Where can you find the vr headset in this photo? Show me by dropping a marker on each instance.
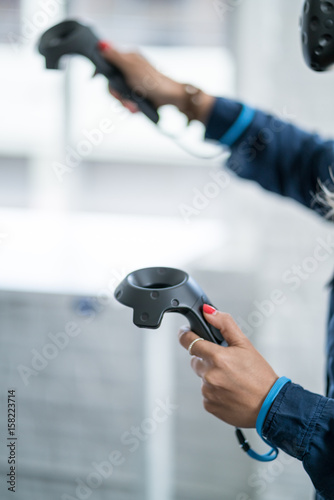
(317, 32)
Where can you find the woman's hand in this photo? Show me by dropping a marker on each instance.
(236, 379)
(147, 81)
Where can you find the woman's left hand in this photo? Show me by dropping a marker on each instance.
(236, 379)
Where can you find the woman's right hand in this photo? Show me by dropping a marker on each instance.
(142, 77)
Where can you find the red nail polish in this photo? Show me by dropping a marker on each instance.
(209, 309)
(102, 45)
(131, 107)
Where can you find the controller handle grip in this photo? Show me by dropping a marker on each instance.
(117, 82)
(198, 324)
(72, 37)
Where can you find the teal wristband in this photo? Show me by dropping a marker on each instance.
(274, 391)
(271, 454)
(243, 121)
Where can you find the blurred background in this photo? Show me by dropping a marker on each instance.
(105, 410)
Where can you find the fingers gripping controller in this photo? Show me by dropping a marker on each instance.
(155, 290)
(72, 37)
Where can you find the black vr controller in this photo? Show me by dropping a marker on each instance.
(155, 290)
(72, 37)
(317, 29)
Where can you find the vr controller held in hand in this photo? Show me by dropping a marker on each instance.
(72, 37)
(153, 291)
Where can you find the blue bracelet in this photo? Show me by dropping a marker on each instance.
(272, 454)
(276, 388)
(243, 121)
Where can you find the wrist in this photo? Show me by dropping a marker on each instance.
(193, 102)
(270, 398)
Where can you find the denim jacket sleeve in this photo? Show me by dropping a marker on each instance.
(276, 154)
(302, 424)
(288, 161)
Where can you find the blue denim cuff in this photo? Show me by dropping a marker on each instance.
(223, 115)
(240, 125)
(273, 393)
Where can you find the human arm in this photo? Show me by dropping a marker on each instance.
(143, 77)
(236, 380)
(271, 151)
(276, 154)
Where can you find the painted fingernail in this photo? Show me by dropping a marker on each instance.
(131, 107)
(209, 309)
(102, 45)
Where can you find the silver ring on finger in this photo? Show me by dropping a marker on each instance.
(192, 344)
